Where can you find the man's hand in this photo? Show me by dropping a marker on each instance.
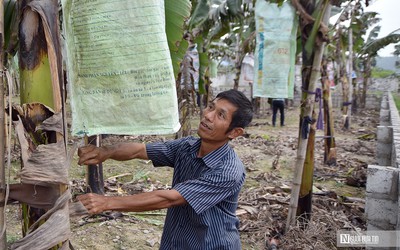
(94, 203)
(91, 155)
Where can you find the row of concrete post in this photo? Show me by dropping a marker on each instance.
(382, 191)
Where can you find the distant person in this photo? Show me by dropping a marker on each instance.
(208, 176)
(278, 104)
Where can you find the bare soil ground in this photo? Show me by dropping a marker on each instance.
(269, 154)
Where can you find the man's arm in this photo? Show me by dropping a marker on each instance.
(92, 155)
(155, 200)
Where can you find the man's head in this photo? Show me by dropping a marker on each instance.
(225, 117)
(244, 113)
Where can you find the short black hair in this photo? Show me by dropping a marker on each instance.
(244, 113)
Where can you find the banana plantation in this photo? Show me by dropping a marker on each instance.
(101, 72)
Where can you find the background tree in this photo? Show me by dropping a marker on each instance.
(3, 238)
(396, 53)
(360, 25)
(370, 50)
(210, 21)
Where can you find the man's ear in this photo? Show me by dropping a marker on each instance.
(235, 133)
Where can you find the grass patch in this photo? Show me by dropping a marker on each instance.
(341, 188)
(381, 73)
(396, 98)
(12, 239)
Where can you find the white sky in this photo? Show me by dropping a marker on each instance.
(389, 12)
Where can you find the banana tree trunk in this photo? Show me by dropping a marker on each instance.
(350, 80)
(204, 75)
(354, 98)
(312, 57)
(40, 76)
(367, 77)
(185, 89)
(346, 101)
(348, 86)
(342, 78)
(304, 208)
(329, 142)
(3, 238)
(238, 61)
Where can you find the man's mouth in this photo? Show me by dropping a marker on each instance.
(205, 125)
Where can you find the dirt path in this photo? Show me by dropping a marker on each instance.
(268, 153)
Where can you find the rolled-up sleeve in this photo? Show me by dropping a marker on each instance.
(163, 153)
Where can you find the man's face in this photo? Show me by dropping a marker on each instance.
(216, 120)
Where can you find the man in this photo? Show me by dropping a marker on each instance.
(278, 104)
(207, 179)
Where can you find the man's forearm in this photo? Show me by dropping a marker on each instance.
(91, 155)
(127, 151)
(146, 201)
(155, 200)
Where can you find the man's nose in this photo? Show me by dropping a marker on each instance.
(209, 115)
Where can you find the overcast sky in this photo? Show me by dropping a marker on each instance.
(389, 12)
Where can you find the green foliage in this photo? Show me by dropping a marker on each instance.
(204, 63)
(360, 26)
(141, 175)
(381, 73)
(12, 239)
(10, 25)
(176, 13)
(266, 137)
(396, 98)
(372, 47)
(211, 20)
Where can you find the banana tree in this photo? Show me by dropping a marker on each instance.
(185, 89)
(359, 25)
(7, 16)
(41, 101)
(210, 20)
(350, 40)
(239, 42)
(40, 72)
(345, 53)
(42, 106)
(176, 16)
(314, 33)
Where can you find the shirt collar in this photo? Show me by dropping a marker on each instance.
(211, 158)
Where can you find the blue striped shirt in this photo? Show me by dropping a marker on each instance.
(210, 185)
